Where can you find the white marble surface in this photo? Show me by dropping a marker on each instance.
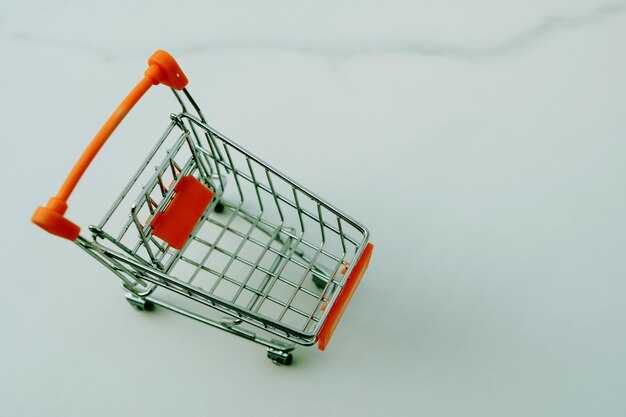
(482, 142)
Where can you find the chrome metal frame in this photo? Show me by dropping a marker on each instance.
(253, 255)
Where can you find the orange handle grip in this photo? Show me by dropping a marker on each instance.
(162, 69)
(334, 315)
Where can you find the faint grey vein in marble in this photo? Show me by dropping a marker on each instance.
(536, 33)
(549, 26)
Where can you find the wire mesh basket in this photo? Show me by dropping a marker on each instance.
(210, 226)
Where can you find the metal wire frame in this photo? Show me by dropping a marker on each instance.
(258, 213)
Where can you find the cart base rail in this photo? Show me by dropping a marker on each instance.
(278, 351)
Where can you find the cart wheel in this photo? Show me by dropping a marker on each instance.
(219, 207)
(139, 303)
(148, 306)
(319, 282)
(279, 357)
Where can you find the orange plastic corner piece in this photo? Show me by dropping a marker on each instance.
(50, 218)
(336, 311)
(175, 224)
(163, 69)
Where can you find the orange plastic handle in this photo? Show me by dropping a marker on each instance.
(334, 315)
(162, 69)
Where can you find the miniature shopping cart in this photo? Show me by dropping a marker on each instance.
(205, 228)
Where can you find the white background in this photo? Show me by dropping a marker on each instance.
(481, 142)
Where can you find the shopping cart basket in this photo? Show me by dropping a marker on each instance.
(204, 227)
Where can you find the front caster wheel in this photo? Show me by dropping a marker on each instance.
(139, 303)
(319, 281)
(279, 357)
(219, 207)
(147, 306)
